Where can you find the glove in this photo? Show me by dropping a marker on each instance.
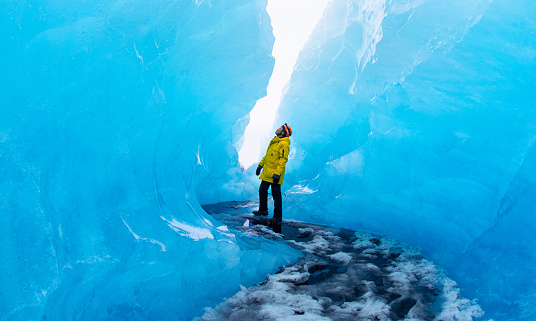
(258, 171)
(276, 178)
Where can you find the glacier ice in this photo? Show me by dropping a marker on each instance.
(413, 119)
(112, 114)
(416, 119)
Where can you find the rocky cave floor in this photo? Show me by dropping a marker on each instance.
(342, 275)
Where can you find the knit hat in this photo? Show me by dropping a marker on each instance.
(287, 129)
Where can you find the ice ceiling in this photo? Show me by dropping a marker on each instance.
(415, 119)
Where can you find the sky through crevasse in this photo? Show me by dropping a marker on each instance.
(293, 22)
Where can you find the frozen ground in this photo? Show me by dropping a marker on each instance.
(343, 275)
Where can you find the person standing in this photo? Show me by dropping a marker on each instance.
(272, 166)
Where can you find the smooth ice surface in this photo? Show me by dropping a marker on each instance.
(413, 119)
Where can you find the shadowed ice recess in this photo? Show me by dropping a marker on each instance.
(414, 120)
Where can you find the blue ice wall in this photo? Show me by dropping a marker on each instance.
(414, 119)
(112, 114)
(417, 119)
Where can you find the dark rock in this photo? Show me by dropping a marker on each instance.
(347, 235)
(394, 253)
(375, 241)
(394, 296)
(402, 307)
(303, 234)
(317, 267)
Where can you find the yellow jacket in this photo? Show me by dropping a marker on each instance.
(275, 159)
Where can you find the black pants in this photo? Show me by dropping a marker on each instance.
(276, 194)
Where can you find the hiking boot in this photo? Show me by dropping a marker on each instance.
(260, 213)
(275, 220)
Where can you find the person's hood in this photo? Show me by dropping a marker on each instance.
(278, 139)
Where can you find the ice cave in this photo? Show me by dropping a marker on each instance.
(121, 122)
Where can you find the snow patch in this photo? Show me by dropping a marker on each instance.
(317, 245)
(194, 232)
(341, 257)
(299, 189)
(456, 307)
(368, 307)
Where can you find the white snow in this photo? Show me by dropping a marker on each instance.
(292, 275)
(317, 245)
(341, 257)
(306, 230)
(456, 307)
(299, 189)
(369, 307)
(194, 232)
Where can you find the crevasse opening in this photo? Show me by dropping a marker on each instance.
(292, 22)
